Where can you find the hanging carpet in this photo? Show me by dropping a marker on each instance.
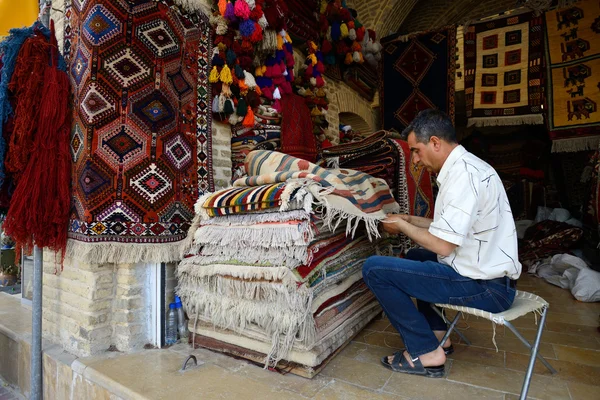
(573, 60)
(141, 132)
(418, 73)
(503, 71)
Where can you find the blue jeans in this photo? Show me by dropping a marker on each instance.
(395, 280)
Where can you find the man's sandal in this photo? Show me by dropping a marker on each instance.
(401, 364)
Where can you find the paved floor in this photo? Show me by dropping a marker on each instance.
(7, 393)
(571, 343)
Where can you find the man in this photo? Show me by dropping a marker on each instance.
(469, 249)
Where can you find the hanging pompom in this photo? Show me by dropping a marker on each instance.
(313, 81)
(253, 99)
(230, 57)
(357, 57)
(256, 13)
(335, 31)
(248, 121)
(214, 75)
(262, 21)
(234, 119)
(315, 112)
(312, 47)
(257, 35)
(242, 107)
(320, 67)
(352, 34)
(345, 15)
(239, 72)
(344, 30)
(225, 75)
(326, 46)
(249, 79)
(276, 106)
(350, 25)
(222, 100)
(309, 71)
(285, 73)
(241, 9)
(279, 42)
(245, 62)
(217, 61)
(257, 90)
(290, 76)
(320, 82)
(323, 23)
(376, 47)
(228, 107)
(251, 4)
(258, 71)
(243, 87)
(267, 92)
(348, 59)
(222, 7)
(312, 59)
(246, 26)
(323, 7)
(370, 58)
(226, 91)
(356, 46)
(277, 93)
(215, 104)
(221, 27)
(320, 92)
(360, 33)
(229, 12)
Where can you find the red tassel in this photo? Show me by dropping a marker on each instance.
(39, 210)
(248, 121)
(309, 71)
(326, 46)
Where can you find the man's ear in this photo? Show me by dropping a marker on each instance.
(436, 142)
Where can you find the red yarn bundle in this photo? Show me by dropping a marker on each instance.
(39, 210)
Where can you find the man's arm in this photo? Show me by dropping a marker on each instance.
(398, 224)
(421, 222)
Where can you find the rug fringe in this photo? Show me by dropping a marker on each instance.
(532, 119)
(573, 145)
(122, 253)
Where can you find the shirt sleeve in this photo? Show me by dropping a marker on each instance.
(459, 208)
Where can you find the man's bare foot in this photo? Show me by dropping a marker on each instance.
(431, 359)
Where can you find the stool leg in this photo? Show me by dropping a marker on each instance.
(459, 333)
(526, 343)
(450, 328)
(534, 351)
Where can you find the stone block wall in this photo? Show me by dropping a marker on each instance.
(221, 154)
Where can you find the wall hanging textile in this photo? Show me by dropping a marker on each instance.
(503, 71)
(141, 134)
(39, 208)
(573, 59)
(297, 138)
(418, 73)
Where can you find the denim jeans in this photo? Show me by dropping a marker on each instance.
(395, 280)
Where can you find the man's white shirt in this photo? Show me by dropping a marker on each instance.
(472, 212)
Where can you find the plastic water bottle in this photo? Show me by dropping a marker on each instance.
(171, 325)
(182, 326)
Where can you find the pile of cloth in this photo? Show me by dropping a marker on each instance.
(264, 135)
(273, 267)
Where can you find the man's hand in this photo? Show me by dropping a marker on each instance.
(394, 223)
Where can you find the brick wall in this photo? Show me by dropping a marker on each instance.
(431, 14)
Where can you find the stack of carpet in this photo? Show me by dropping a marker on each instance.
(264, 135)
(273, 267)
(389, 159)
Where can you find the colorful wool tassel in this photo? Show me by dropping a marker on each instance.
(230, 57)
(215, 104)
(242, 107)
(234, 119)
(225, 75)
(279, 42)
(239, 72)
(214, 75)
(229, 12)
(251, 4)
(352, 34)
(249, 79)
(221, 105)
(262, 21)
(260, 71)
(326, 46)
(246, 26)
(257, 34)
(313, 81)
(40, 206)
(228, 107)
(335, 31)
(277, 93)
(357, 57)
(241, 9)
(222, 7)
(343, 31)
(248, 120)
(348, 59)
(312, 59)
(226, 90)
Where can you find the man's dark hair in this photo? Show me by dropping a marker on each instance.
(432, 122)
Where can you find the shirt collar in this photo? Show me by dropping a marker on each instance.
(453, 157)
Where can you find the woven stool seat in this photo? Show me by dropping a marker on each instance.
(524, 303)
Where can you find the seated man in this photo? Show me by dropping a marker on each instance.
(469, 249)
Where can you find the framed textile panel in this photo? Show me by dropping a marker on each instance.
(503, 71)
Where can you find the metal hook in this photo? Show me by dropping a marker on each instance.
(190, 357)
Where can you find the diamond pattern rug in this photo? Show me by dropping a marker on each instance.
(141, 127)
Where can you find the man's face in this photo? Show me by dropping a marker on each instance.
(421, 153)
